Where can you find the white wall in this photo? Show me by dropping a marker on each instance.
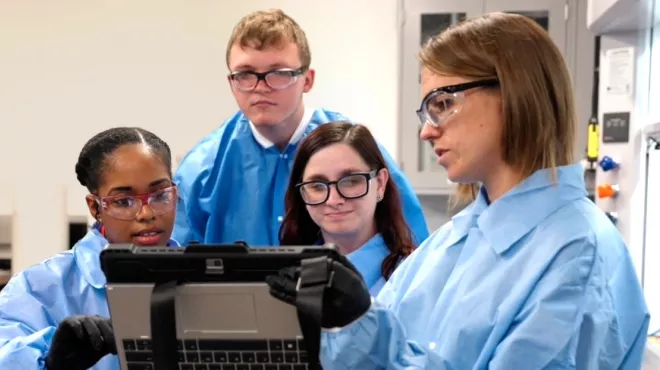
(71, 68)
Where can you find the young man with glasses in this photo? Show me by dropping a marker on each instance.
(232, 183)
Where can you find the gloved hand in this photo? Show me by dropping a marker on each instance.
(344, 301)
(80, 342)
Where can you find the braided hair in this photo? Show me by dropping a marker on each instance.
(96, 151)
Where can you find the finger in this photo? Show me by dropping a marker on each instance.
(73, 326)
(284, 297)
(274, 282)
(280, 289)
(93, 333)
(281, 284)
(291, 273)
(289, 286)
(108, 334)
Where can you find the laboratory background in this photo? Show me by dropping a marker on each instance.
(71, 68)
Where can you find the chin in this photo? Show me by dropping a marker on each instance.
(461, 178)
(265, 120)
(341, 228)
(455, 175)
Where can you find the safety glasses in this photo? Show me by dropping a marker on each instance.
(278, 79)
(351, 186)
(128, 207)
(444, 101)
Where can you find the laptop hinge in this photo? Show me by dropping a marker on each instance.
(163, 326)
(315, 276)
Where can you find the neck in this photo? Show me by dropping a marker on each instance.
(501, 180)
(281, 133)
(348, 243)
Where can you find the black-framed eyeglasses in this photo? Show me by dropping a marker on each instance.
(277, 79)
(128, 207)
(351, 186)
(444, 101)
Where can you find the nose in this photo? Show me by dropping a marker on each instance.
(429, 132)
(145, 213)
(334, 198)
(262, 87)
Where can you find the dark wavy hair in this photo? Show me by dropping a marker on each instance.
(299, 229)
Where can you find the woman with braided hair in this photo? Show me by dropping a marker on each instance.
(54, 315)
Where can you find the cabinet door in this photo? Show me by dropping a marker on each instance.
(650, 275)
(423, 19)
(550, 14)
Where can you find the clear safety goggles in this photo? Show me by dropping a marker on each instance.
(128, 207)
(442, 102)
(351, 186)
(277, 79)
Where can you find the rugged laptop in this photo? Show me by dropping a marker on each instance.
(203, 307)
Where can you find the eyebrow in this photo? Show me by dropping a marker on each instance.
(348, 171)
(126, 189)
(248, 67)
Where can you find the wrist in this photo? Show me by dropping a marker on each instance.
(354, 319)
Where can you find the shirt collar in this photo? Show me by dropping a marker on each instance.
(369, 258)
(297, 135)
(87, 254)
(512, 216)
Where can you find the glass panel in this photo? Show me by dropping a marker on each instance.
(431, 25)
(652, 240)
(542, 17)
(654, 93)
(652, 220)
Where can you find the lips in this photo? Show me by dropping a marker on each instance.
(262, 103)
(442, 159)
(148, 237)
(338, 214)
(440, 152)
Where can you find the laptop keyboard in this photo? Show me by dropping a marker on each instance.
(205, 354)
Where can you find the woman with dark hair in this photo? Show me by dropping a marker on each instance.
(341, 192)
(54, 315)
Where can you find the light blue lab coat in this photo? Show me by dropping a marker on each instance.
(232, 185)
(368, 259)
(540, 279)
(37, 299)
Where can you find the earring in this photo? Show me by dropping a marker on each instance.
(379, 198)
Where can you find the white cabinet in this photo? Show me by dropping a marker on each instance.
(550, 14)
(425, 18)
(612, 16)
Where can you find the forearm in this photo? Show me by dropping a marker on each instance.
(377, 340)
(24, 351)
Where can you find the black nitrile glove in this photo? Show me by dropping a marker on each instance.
(344, 301)
(80, 342)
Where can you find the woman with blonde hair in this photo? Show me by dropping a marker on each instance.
(531, 275)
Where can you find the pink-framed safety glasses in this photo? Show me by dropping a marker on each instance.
(128, 207)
